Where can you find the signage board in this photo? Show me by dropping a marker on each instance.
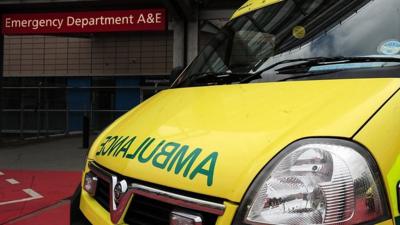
(84, 22)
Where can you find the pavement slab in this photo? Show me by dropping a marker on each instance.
(64, 154)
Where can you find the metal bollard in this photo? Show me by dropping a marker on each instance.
(85, 132)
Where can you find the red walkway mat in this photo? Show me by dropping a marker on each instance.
(26, 192)
(58, 214)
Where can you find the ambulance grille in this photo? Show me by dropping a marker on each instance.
(102, 194)
(146, 211)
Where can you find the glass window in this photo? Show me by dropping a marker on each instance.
(316, 31)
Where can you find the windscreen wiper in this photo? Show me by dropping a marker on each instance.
(305, 67)
(219, 77)
(258, 74)
(308, 63)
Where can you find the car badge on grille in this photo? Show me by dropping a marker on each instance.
(119, 190)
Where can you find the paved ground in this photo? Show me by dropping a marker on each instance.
(38, 181)
(61, 154)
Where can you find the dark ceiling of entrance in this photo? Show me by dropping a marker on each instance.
(179, 9)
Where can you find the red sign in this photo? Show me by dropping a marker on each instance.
(84, 22)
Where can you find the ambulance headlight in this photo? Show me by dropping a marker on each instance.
(318, 181)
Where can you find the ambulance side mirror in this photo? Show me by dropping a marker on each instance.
(175, 73)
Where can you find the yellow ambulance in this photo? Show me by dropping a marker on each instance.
(290, 115)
